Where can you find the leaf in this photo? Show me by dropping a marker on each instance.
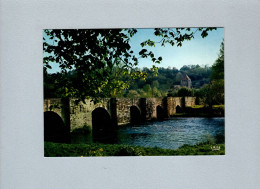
(48, 66)
(142, 51)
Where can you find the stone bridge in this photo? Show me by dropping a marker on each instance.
(117, 110)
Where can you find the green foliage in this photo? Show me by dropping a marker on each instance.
(155, 83)
(217, 88)
(147, 88)
(202, 111)
(178, 77)
(171, 93)
(218, 67)
(133, 94)
(160, 84)
(98, 58)
(177, 36)
(164, 84)
(184, 91)
(205, 94)
(94, 61)
(217, 78)
(213, 93)
(89, 150)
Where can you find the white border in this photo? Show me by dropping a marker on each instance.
(22, 164)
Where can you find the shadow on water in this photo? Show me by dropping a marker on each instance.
(81, 137)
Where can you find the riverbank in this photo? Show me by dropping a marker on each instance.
(202, 111)
(96, 149)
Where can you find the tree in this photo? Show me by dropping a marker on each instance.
(142, 93)
(217, 88)
(148, 89)
(218, 66)
(217, 77)
(133, 94)
(184, 91)
(205, 94)
(178, 77)
(99, 57)
(213, 93)
(155, 83)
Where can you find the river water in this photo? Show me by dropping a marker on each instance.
(172, 133)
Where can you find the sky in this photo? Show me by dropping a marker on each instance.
(201, 51)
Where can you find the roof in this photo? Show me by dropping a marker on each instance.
(186, 77)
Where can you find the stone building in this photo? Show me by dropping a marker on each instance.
(186, 81)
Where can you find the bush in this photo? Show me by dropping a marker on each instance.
(184, 91)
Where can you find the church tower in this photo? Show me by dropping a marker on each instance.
(186, 81)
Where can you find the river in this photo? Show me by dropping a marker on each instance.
(168, 134)
(172, 133)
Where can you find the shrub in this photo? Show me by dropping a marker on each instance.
(184, 91)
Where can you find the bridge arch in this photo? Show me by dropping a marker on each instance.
(159, 113)
(103, 129)
(54, 128)
(135, 115)
(178, 109)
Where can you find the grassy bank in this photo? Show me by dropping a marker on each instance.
(202, 111)
(87, 150)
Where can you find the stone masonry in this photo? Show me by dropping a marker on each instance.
(77, 115)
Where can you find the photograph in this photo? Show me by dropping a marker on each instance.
(129, 94)
(134, 92)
